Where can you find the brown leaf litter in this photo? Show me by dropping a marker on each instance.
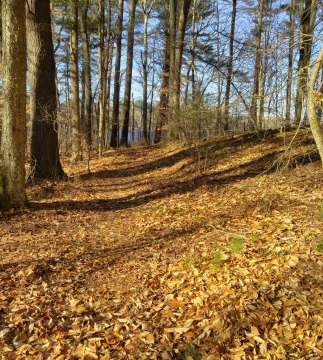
(155, 256)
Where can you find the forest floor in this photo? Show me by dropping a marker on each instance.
(170, 252)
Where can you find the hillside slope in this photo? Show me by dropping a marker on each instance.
(213, 251)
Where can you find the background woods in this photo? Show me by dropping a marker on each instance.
(179, 58)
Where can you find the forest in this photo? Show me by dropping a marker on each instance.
(161, 192)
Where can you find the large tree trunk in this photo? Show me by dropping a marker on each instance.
(164, 92)
(87, 120)
(103, 81)
(230, 66)
(175, 84)
(308, 16)
(255, 110)
(179, 50)
(144, 59)
(151, 108)
(172, 70)
(75, 102)
(313, 118)
(45, 161)
(13, 136)
(117, 79)
(108, 66)
(291, 10)
(127, 90)
(0, 32)
(219, 75)
(191, 68)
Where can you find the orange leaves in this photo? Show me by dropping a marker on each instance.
(76, 306)
(137, 261)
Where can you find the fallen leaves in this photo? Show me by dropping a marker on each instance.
(146, 260)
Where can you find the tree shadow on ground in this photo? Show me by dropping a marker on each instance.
(161, 163)
(269, 163)
(229, 176)
(215, 146)
(99, 259)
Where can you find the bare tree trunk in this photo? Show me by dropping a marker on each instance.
(45, 160)
(320, 89)
(127, 91)
(164, 91)
(313, 118)
(308, 16)
(75, 101)
(133, 118)
(179, 50)
(13, 135)
(144, 59)
(172, 70)
(175, 84)
(87, 121)
(256, 94)
(291, 10)
(152, 93)
(108, 65)
(102, 76)
(0, 34)
(230, 66)
(108, 97)
(117, 79)
(219, 75)
(191, 66)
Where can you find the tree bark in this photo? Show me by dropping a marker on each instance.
(191, 68)
(102, 75)
(0, 34)
(45, 161)
(87, 120)
(144, 59)
(108, 65)
(151, 108)
(179, 50)
(255, 111)
(172, 70)
(175, 84)
(308, 17)
(313, 118)
(230, 66)
(75, 102)
(114, 141)
(127, 90)
(13, 136)
(164, 92)
(291, 10)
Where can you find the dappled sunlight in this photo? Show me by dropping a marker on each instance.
(150, 255)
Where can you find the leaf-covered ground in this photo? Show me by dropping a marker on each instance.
(169, 252)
